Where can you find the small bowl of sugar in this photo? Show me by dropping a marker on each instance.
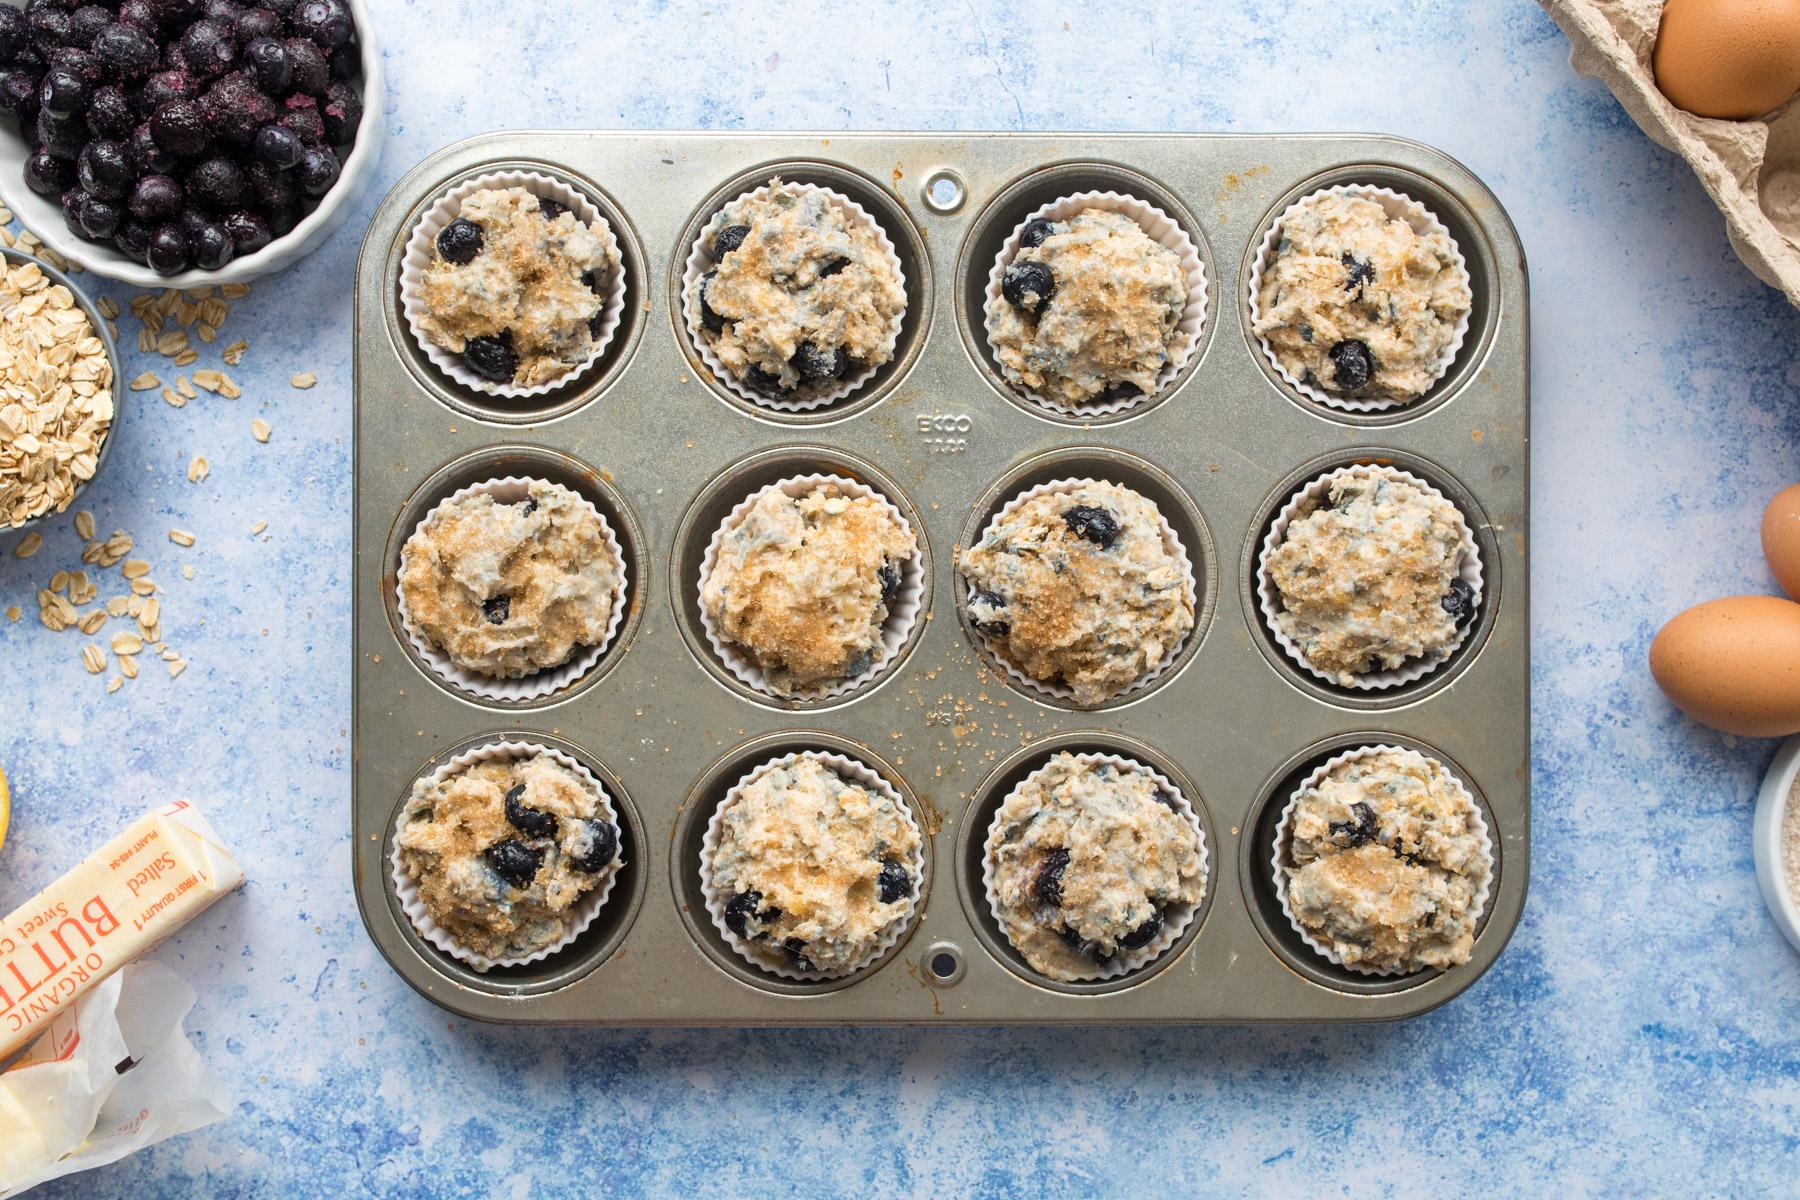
(1777, 834)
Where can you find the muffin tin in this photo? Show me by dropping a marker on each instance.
(665, 451)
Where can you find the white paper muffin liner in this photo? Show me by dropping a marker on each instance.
(421, 252)
(1283, 833)
(1397, 204)
(700, 260)
(1269, 597)
(1163, 230)
(901, 614)
(769, 960)
(513, 489)
(1171, 542)
(1176, 918)
(582, 913)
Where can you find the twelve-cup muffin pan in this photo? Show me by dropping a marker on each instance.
(665, 451)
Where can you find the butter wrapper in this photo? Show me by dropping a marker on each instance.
(108, 1077)
(164, 870)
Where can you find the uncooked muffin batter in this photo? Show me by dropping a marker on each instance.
(503, 849)
(1360, 302)
(1109, 321)
(1078, 587)
(1384, 862)
(516, 286)
(799, 294)
(804, 584)
(1369, 580)
(1088, 860)
(508, 589)
(814, 868)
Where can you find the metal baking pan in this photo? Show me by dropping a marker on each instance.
(665, 451)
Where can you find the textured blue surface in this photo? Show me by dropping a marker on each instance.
(1644, 1025)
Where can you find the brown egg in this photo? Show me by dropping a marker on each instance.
(1781, 539)
(1728, 58)
(1734, 664)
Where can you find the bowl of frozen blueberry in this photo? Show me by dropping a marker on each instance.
(186, 142)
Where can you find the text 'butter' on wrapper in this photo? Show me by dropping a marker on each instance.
(156, 876)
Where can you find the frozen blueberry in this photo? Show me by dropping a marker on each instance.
(311, 73)
(78, 62)
(110, 115)
(603, 847)
(168, 250)
(64, 93)
(729, 239)
(346, 60)
(1357, 272)
(70, 203)
(993, 602)
(318, 171)
(208, 47)
(1028, 286)
(283, 218)
(1459, 602)
(326, 22)
(551, 209)
(894, 883)
(147, 156)
(227, 11)
(249, 232)
(1140, 937)
(99, 218)
(1046, 881)
(1359, 829)
(1035, 232)
(711, 321)
(180, 128)
(1123, 390)
(211, 246)
(133, 239)
(492, 358)
(105, 170)
(763, 381)
(497, 610)
(514, 861)
(156, 198)
(1355, 365)
(816, 364)
(61, 136)
(268, 59)
(49, 27)
(141, 14)
(280, 147)
(274, 192)
(86, 22)
(833, 267)
(889, 577)
(235, 109)
(301, 114)
(165, 87)
(15, 32)
(127, 52)
(343, 111)
(217, 183)
(797, 956)
(19, 93)
(740, 909)
(254, 23)
(48, 175)
(1093, 523)
(1085, 947)
(529, 821)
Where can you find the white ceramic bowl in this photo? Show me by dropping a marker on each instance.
(1771, 805)
(43, 216)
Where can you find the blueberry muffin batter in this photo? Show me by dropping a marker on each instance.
(1359, 302)
(1368, 581)
(799, 294)
(516, 286)
(1087, 861)
(817, 868)
(1077, 587)
(803, 585)
(503, 850)
(1384, 862)
(1089, 309)
(508, 589)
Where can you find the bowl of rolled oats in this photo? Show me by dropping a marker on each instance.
(59, 372)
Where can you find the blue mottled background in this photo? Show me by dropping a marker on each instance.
(1642, 1032)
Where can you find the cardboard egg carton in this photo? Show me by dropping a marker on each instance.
(1751, 169)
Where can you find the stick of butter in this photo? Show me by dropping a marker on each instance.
(127, 896)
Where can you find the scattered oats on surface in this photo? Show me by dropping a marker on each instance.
(304, 380)
(234, 291)
(84, 525)
(184, 387)
(109, 308)
(118, 606)
(147, 619)
(177, 667)
(93, 658)
(135, 569)
(175, 399)
(260, 428)
(198, 469)
(114, 684)
(59, 582)
(228, 387)
(206, 332)
(187, 570)
(187, 358)
(234, 353)
(127, 643)
(181, 537)
(128, 666)
(32, 542)
(258, 528)
(207, 378)
(13, 613)
(167, 654)
(144, 587)
(146, 381)
(91, 623)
